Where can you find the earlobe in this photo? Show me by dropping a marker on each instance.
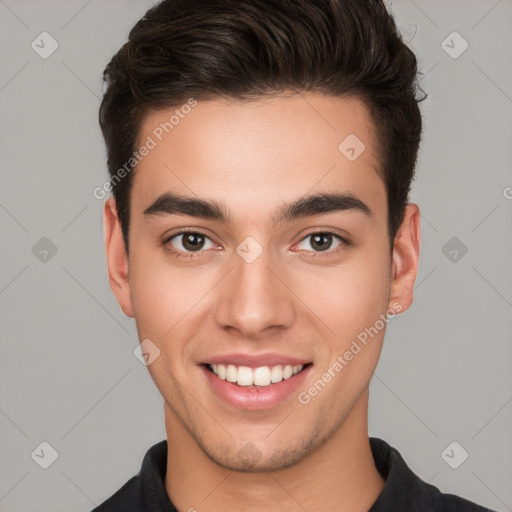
(117, 260)
(406, 252)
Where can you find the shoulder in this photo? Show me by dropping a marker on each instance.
(450, 503)
(405, 491)
(128, 497)
(144, 491)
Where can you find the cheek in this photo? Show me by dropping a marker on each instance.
(166, 297)
(158, 297)
(351, 297)
(163, 301)
(357, 297)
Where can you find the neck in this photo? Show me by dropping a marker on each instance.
(339, 475)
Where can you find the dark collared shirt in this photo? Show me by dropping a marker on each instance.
(402, 492)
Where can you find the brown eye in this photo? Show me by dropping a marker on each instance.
(193, 241)
(321, 242)
(190, 242)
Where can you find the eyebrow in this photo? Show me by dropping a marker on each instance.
(174, 204)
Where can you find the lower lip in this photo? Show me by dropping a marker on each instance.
(254, 397)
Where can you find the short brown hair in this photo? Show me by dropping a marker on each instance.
(245, 49)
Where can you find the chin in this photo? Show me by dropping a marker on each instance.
(259, 457)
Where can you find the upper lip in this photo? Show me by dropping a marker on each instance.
(256, 360)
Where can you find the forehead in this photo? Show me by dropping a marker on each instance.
(252, 154)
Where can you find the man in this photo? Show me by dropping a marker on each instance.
(260, 156)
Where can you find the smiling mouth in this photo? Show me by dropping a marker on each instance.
(261, 376)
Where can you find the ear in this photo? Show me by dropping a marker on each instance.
(117, 260)
(406, 251)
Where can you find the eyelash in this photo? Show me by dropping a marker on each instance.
(189, 255)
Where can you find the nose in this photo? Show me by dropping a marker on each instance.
(254, 298)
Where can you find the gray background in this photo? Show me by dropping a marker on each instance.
(68, 374)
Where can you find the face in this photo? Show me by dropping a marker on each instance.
(259, 254)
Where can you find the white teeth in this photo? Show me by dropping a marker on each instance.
(261, 376)
(244, 376)
(231, 372)
(277, 374)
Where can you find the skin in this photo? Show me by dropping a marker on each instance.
(293, 299)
